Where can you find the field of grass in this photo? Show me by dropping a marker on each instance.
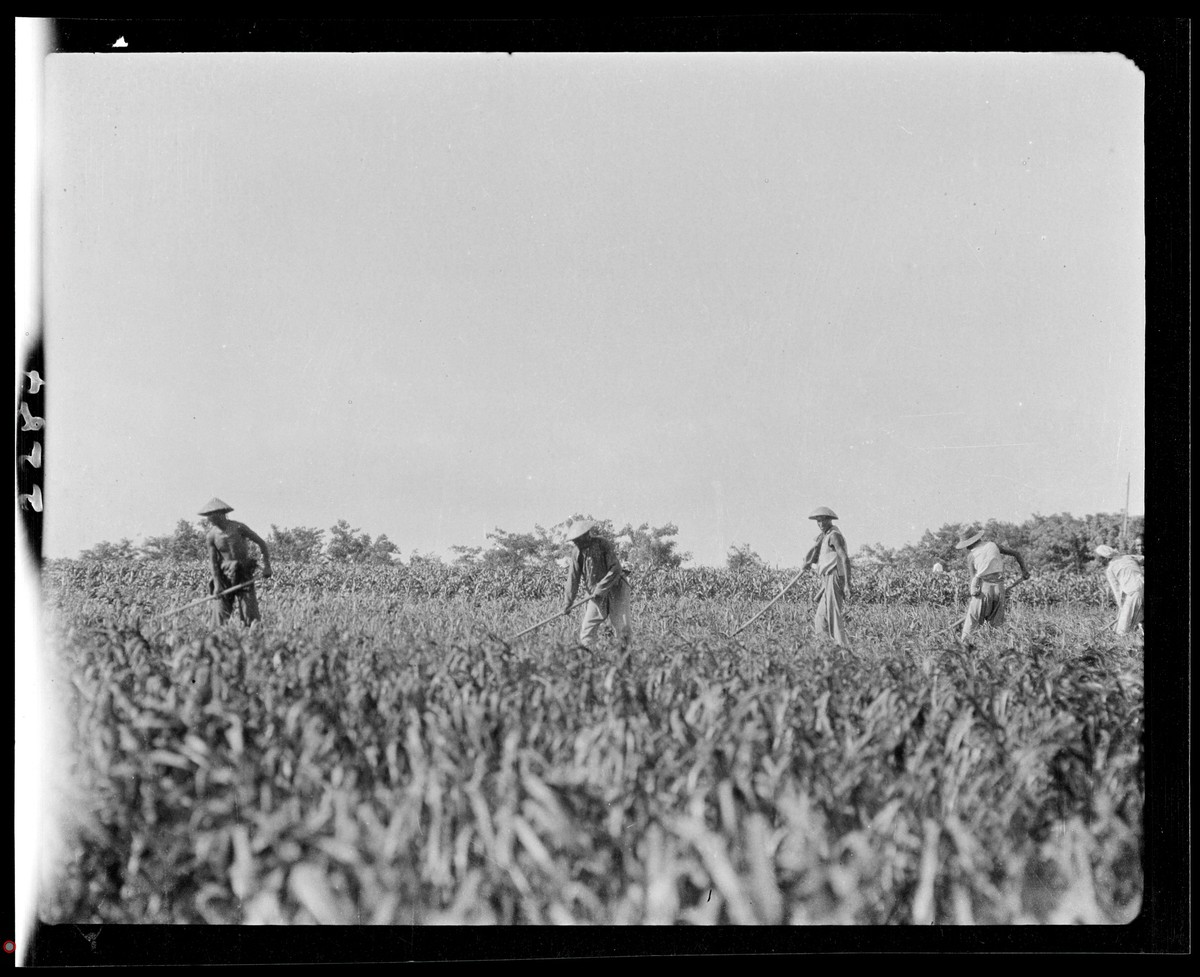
(377, 753)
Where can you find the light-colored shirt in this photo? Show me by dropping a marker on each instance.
(986, 560)
(1124, 574)
(827, 554)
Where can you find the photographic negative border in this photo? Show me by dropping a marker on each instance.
(1161, 49)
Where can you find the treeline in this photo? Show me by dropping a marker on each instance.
(302, 544)
(1057, 542)
(643, 545)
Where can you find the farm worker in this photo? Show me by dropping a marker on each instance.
(1127, 583)
(832, 564)
(595, 563)
(986, 560)
(232, 563)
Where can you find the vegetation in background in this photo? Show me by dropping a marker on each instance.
(1058, 542)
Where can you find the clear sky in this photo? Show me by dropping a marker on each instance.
(436, 294)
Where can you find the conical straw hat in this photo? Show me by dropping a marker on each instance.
(215, 505)
(578, 528)
(967, 540)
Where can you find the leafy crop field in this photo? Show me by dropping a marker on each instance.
(377, 753)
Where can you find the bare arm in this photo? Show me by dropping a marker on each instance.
(1016, 556)
(214, 559)
(261, 544)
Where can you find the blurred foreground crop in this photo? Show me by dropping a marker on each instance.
(377, 754)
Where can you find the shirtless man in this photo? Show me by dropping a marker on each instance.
(232, 563)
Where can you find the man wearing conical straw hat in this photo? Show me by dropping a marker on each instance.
(594, 563)
(232, 563)
(832, 564)
(1127, 582)
(988, 595)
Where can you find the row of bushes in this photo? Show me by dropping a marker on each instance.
(118, 579)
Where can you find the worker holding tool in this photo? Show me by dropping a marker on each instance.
(988, 594)
(832, 564)
(1126, 580)
(232, 565)
(594, 562)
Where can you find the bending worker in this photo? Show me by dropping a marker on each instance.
(595, 563)
(988, 594)
(232, 563)
(1126, 580)
(832, 563)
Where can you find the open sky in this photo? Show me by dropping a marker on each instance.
(436, 294)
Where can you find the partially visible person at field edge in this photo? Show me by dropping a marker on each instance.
(1126, 581)
(595, 564)
(1139, 548)
(832, 563)
(232, 564)
(988, 593)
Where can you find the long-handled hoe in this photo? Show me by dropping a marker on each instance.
(786, 587)
(203, 600)
(1107, 626)
(552, 617)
